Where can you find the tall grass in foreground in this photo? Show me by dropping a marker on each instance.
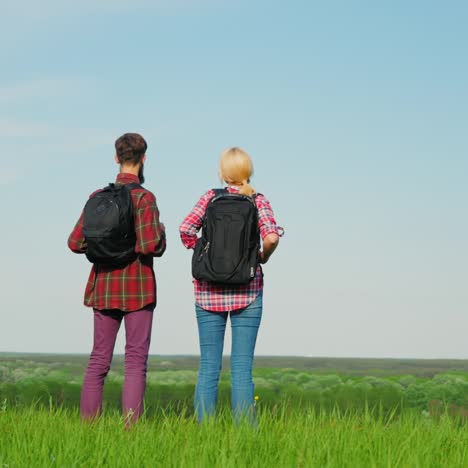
(31, 437)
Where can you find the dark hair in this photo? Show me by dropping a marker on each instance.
(130, 148)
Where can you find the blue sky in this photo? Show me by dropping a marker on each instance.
(355, 113)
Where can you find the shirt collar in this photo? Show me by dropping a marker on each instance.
(126, 178)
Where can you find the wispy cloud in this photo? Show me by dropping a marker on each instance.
(32, 9)
(42, 88)
(9, 175)
(29, 137)
(18, 129)
(28, 142)
(22, 19)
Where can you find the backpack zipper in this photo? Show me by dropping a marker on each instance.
(204, 251)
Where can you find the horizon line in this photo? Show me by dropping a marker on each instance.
(274, 356)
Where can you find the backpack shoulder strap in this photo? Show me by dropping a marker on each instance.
(133, 185)
(254, 197)
(219, 191)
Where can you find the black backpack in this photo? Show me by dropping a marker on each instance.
(109, 227)
(227, 253)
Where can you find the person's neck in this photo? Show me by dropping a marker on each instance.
(134, 170)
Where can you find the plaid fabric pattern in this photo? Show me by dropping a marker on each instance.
(134, 286)
(222, 299)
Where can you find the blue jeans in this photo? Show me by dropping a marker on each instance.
(211, 328)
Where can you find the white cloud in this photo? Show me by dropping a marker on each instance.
(9, 175)
(32, 9)
(18, 129)
(23, 18)
(28, 139)
(42, 88)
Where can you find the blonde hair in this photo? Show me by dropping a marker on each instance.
(236, 168)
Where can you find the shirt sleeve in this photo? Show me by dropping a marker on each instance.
(193, 221)
(266, 218)
(76, 240)
(150, 232)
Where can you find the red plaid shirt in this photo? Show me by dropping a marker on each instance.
(222, 299)
(134, 286)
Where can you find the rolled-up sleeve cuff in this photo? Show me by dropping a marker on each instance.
(278, 230)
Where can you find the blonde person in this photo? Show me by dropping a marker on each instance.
(215, 302)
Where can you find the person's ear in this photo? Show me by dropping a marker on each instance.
(143, 159)
(116, 159)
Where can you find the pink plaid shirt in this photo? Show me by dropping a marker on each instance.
(218, 298)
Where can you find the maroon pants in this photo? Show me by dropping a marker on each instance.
(138, 337)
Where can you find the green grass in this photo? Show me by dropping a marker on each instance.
(312, 413)
(33, 437)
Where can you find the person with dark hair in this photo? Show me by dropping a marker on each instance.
(130, 149)
(119, 291)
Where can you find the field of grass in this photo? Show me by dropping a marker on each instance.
(43, 438)
(311, 413)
